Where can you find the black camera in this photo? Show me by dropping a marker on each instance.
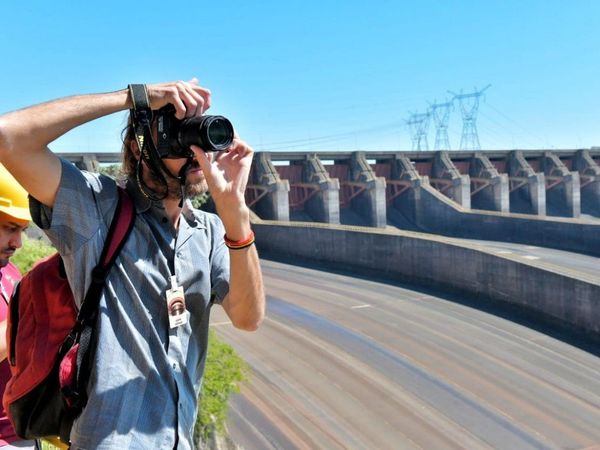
(210, 133)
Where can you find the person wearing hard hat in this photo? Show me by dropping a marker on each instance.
(14, 218)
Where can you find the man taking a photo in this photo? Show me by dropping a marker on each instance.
(148, 365)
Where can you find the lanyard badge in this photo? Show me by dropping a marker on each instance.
(178, 315)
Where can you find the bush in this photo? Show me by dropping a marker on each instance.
(224, 372)
(31, 252)
(200, 200)
(113, 170)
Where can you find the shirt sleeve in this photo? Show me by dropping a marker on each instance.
(78, 223)
(77, 214)
(219, 261)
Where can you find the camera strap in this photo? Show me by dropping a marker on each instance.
(141, 115)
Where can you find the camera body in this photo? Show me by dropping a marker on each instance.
(210, 133)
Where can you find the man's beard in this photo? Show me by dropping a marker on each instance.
(174, 190)
(4, 261)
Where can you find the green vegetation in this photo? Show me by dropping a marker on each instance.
(224, 372)
(200, 200)
(113, 171)
(32, 251)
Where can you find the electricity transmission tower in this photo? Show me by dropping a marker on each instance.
(419, 125)
(469, 104)
(441, 115)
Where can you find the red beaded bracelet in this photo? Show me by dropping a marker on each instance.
(238, 245)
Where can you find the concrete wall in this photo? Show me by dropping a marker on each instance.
(442, 263)
(432, 212)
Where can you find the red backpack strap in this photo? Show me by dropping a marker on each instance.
(120, 227)
(83, 333)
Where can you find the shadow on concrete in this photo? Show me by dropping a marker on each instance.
(350, 217)
(396, 219)
(300, 216)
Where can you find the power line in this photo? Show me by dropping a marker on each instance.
(543, 140)
(502, 131)
(325, 139)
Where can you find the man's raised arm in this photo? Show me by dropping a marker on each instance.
(26, 133)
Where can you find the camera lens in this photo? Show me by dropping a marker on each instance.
(210, 133)
(219, 132)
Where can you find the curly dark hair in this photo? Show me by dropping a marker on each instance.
(129, 163)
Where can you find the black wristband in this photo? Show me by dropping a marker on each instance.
(139, 97)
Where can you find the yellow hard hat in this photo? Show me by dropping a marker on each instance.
(13, 198)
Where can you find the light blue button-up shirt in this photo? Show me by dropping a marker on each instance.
(146, 378)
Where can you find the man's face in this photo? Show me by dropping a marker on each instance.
(194, 174)
(10, 236)
(195, 181)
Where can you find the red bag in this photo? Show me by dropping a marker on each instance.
(47, 336)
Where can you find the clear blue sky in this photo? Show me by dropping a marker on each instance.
(320, 75)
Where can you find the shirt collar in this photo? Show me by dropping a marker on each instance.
(192, 216)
